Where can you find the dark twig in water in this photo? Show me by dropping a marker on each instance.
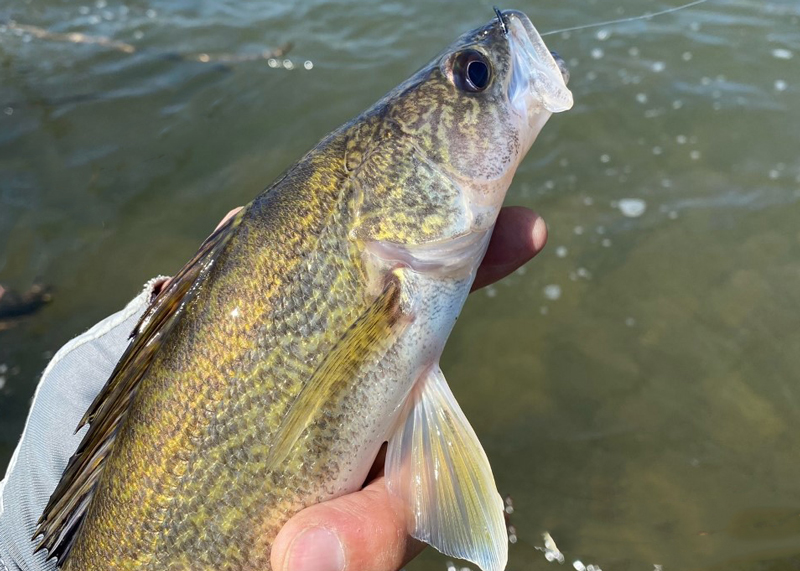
(15, 304)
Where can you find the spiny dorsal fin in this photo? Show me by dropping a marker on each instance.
(67, 507)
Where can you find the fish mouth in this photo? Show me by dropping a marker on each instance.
(539, 77)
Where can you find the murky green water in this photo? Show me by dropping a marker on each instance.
(636, 387)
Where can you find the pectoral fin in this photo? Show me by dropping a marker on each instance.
(436, 464)
(371, 334)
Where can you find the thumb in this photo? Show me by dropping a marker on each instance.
(363, 531)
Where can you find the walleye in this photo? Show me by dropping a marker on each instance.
(307, 331)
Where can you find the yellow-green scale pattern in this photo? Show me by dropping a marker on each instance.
(187, 485)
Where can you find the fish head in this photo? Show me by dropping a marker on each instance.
(447, 142)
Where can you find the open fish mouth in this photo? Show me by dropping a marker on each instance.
(539, 77)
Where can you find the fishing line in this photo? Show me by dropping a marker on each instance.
(623, 20)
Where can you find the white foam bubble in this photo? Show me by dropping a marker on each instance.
(779, 53)
(552, 292)
(780, 85)
(562, 251)
(632, 207)
(308, 64)
(641, 98)
(659, 66)
(550, 549)
(597, 53)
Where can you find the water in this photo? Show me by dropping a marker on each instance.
(635, 387)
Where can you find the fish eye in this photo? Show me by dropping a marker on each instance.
(472, 71)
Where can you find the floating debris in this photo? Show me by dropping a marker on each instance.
(272, 55)
(72, 37)
(550, 549)
(581, 567)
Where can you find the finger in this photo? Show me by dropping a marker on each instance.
(519, 235)
(363, 531)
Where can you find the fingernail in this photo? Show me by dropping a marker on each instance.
(539, 233)
(316, 549)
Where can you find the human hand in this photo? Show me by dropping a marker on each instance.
(366, 530)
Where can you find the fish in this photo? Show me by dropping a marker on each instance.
(306, 332)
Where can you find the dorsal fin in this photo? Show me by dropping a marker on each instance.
(68, 504)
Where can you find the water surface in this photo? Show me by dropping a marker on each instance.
(636, 386)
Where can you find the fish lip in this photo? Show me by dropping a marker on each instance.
(538, 79)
